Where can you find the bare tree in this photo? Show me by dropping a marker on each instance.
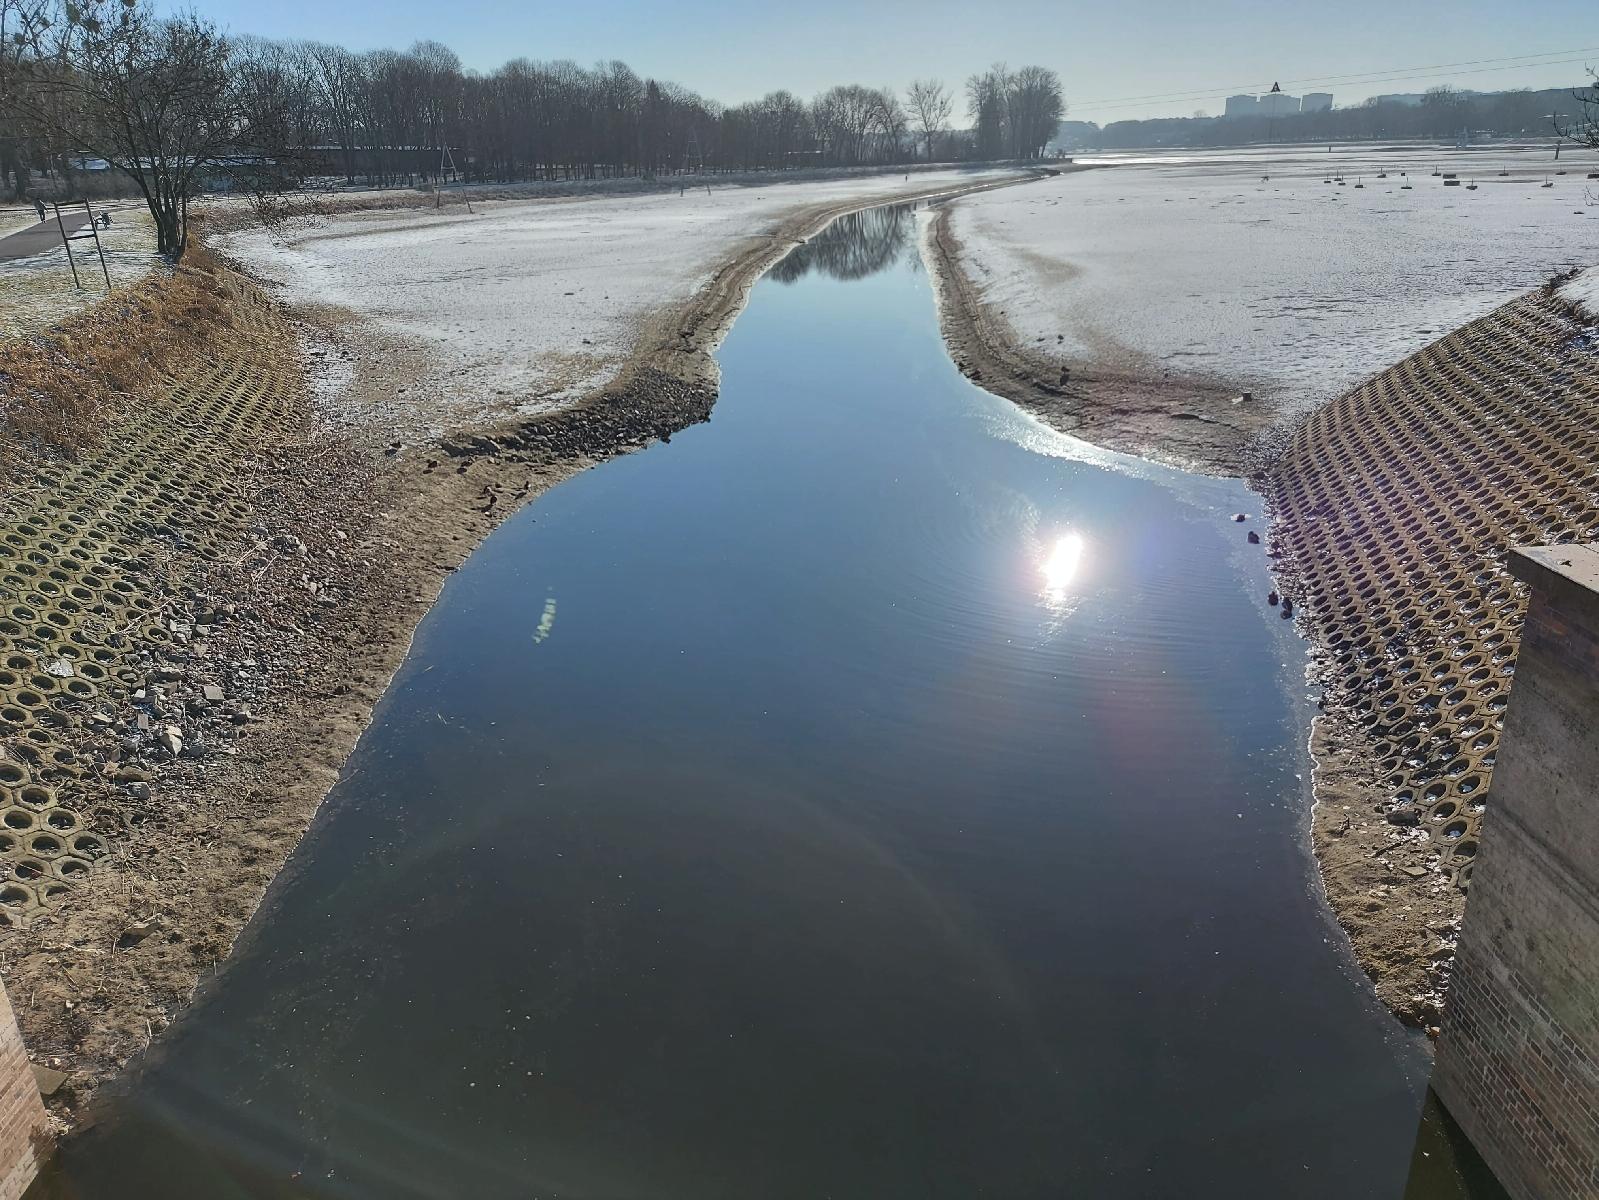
(1447, 107)
(170, 102)
(1035, 109)
(1014, 113)
(986, 106)
(1583, 127)
(930, 105)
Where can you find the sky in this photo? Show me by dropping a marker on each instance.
(1139, 58)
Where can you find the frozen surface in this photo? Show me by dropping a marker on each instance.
(536, 302)
(1584, 290)
(1297, 287)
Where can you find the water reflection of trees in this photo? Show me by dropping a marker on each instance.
(852, 247)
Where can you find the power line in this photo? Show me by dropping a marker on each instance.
(1398, 75)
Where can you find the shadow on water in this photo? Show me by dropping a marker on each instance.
(1445, 1165)
(870, 794)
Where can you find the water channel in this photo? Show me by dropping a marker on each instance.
(869, 793)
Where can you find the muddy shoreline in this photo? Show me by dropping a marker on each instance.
(207, 765)
(1191, 422)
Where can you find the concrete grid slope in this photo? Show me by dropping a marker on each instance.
(1396, 505)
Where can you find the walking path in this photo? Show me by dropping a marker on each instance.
(39, 237)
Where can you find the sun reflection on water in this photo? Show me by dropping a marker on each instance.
(1060, 567)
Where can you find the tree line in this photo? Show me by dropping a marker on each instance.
(180, 107)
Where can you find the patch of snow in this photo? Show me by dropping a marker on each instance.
(1250, 268)
(539, 300)
(1583, 290)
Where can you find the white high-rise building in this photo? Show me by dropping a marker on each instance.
(1278, 104)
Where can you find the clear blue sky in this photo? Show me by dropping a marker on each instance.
(1105, 52)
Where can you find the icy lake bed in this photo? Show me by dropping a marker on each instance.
(1259, 268)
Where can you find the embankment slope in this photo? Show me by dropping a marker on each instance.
(1393, 507)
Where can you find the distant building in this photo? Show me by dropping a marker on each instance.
(1278, 104)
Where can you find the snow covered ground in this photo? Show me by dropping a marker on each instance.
(1293, 285)
(37, 291)
(1584, 290)
(538, 301)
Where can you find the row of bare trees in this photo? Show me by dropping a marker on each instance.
(179, 107)
(375, 113)
(170, 103)
(1014, 113)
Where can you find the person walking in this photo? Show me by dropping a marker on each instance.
(38, 207)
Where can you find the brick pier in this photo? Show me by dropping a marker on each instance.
(23, 1126)
(1518, 1059)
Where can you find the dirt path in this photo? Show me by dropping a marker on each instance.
(202, 613)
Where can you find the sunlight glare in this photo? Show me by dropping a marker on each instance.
(1060, 568)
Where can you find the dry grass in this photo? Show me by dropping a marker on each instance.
(60, 390)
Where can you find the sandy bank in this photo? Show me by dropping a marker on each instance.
(216, 596)
(1108, 399)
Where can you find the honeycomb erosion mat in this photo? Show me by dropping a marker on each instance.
(1394, 506)
(88, 551)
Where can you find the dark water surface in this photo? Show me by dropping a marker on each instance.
(868, 794)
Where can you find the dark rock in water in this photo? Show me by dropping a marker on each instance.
(1272, 598)
(1254, 538)
(1240, 517)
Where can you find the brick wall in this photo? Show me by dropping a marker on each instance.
(1518, 1059)
(23, 1140)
